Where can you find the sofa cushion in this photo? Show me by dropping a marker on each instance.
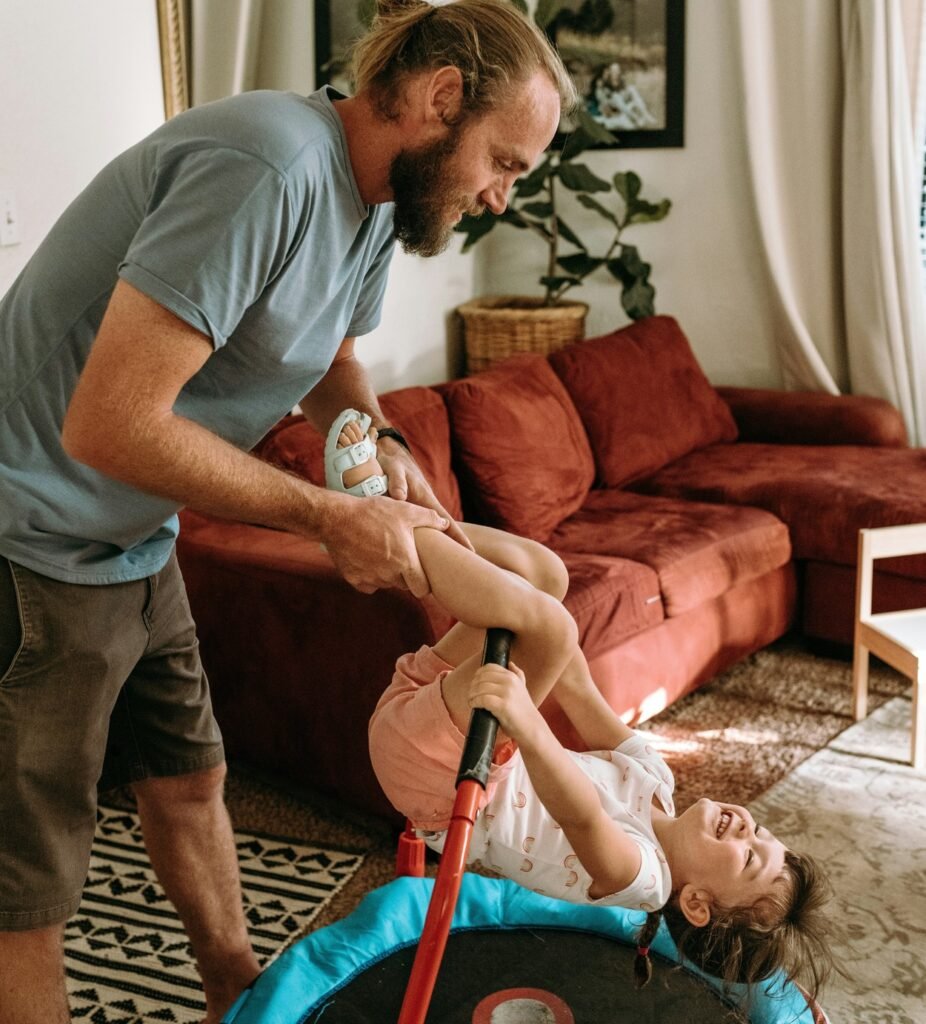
(418, 412)
(520, 449)
(610, 599)
(699, 551)
(825, 494)
(643, 398)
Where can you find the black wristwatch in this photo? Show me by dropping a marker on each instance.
(394, 434)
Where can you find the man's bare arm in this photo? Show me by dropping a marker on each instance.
(121, 422)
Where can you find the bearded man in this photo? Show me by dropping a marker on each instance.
(206, 281)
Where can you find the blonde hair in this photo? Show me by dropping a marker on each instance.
(490, 42)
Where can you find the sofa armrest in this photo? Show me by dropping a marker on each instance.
(296, 657)
(811, 417)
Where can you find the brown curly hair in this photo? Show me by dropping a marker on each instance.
(490, 42)
(785, 931)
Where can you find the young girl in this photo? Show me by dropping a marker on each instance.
(591, 828)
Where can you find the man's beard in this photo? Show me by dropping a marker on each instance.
(425, 192)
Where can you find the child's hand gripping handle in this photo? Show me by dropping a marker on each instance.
(471, 782)
(483, 726)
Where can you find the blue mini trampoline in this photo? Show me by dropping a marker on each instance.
(550, 962)
(472, 950)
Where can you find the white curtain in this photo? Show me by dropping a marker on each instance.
(239, 45)
(835, 168)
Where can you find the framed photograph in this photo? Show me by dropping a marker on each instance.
(627, 59)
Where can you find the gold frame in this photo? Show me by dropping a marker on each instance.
(173, 34)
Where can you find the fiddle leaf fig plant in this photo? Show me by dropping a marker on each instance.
(535, 205)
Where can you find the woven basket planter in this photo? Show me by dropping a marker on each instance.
(498, 326)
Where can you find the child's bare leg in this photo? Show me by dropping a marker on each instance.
(585, 707)
(481, 596)
(530, 560)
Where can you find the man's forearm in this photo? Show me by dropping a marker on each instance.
(177, 459)
(346, 385)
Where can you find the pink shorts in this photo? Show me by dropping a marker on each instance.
(415, 747)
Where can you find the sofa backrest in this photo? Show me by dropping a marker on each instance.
(520, 451)
(418, 412)
(643, 398)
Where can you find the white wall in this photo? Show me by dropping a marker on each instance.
(79, 82)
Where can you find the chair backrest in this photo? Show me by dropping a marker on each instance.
(883, 542)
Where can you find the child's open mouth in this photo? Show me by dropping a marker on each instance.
(725, 818)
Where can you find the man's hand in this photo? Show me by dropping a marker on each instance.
(408, 483)
(372, 542)
(503, 693)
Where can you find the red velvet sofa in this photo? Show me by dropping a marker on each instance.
(698, 524)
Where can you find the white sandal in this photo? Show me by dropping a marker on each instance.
(339, 460)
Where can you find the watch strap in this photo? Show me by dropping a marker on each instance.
(394, 434)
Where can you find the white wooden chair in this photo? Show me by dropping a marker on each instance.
(899, 638)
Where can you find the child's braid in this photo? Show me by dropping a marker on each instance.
(642, 965)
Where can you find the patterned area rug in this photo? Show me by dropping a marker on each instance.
(126, 955)
(860, 810)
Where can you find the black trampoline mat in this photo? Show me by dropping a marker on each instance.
(591, 974)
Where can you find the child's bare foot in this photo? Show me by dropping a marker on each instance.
(351, 434)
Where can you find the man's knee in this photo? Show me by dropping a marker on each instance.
(193, 788)
(35, 943)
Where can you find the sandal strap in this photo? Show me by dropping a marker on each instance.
(353, 455)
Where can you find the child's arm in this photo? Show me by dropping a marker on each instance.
(606, 852)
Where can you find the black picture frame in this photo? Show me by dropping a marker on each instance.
(338, 24)
(647, 35)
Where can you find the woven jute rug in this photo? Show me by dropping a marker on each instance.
(127, 958)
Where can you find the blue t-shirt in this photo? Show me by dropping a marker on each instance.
(244, 219)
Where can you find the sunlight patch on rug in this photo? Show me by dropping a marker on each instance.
(126, 955)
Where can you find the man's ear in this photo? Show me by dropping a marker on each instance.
(695, 904)
(444, 95)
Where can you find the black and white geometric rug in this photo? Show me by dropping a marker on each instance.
(126, 955)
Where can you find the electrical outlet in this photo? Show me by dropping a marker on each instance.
(9, 218)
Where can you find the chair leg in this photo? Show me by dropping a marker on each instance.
(860, 682)
(918, 742)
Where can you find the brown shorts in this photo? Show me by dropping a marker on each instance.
(99, 686)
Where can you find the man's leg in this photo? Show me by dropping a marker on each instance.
(32, 989)
(189, 839)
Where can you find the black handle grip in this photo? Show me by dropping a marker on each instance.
(480, 740)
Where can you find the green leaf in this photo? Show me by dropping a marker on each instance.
(628, 266)
(638, 300)
(593, 204)
(580, 264)
(580, 179)
(640, 211)
(475, 228)
(547, 10)
(628, 184)
(521, 5)
(565, 231)
(595, 130)
(542, 210)
(556, 282)
(637, 294)
(534, 182)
